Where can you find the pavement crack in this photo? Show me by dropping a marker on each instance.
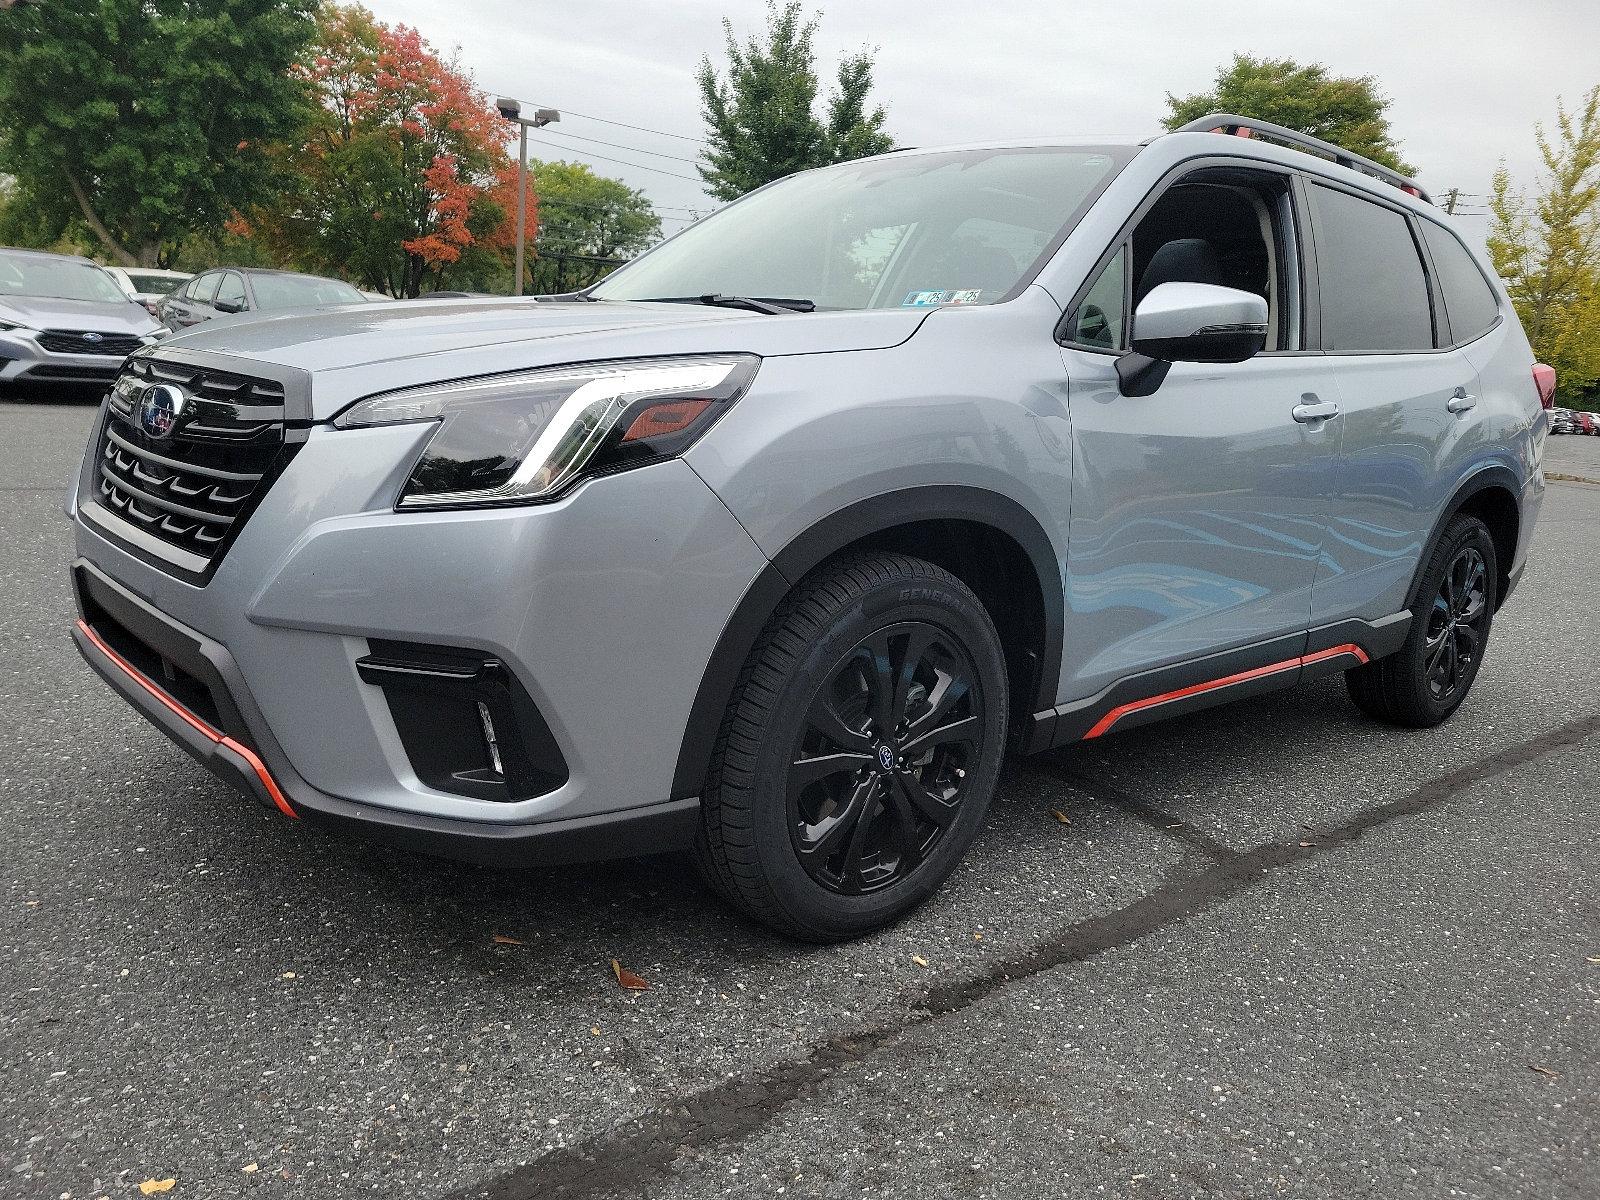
(633, 1158)
(1094, 785)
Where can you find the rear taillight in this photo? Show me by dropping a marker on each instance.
(1544, 378)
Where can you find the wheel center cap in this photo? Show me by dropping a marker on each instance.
(885, 753)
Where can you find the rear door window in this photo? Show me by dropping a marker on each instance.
(1468, 299)
(1373, 288)
(205, 288)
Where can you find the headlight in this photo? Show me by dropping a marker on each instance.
(523, 438)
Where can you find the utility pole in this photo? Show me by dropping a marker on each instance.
(1450, 201)
(511, 110)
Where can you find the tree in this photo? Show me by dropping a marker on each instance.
(404, 179)
(1549, 253)
(588, 225)
(143, 121)
(1349, 112)
(761, 119)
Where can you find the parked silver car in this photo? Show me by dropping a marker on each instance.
(775, 541)
(232, 291)
(63, 319)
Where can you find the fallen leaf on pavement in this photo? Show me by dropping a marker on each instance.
(627, 979)
(1307, 845)
(595, 1029)
(977, 937)
(250, 1168)
(501, 939)
(919, 960)
(1546, 1071)
(1061, 816)
(1595, 959)
(151, 1186)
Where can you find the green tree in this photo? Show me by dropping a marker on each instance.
(1350, 112)
(588, 225)
(1548, 251)
(761, 118)
(143, 121)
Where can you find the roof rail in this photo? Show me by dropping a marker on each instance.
(1232, 123)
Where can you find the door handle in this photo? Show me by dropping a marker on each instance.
(1461, 401)
(1311, 409)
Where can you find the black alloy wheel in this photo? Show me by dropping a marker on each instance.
(1424, 681)
(1456, 624)
(881, 765)
(860, 749)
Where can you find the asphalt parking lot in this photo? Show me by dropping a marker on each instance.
(1274, 950)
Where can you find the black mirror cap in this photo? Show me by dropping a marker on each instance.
(1218, 344)
(227, 306)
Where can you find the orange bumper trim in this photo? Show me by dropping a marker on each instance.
(1116, 714)
(252, 760)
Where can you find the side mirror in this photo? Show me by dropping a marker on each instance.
(1190, 322)
(228, 306)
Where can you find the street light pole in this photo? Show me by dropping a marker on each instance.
(511, 110)
(522, 200)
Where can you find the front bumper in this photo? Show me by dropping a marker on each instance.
(23, 360)
(606, 606)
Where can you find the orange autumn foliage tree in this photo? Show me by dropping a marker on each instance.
(405, 182)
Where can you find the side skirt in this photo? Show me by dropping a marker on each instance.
(1219, 679)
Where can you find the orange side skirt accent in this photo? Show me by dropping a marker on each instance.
(1116, 714)
(194, 722)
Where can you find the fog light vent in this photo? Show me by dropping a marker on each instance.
(467, 723)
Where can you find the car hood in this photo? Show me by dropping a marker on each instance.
(358, 350)
(49, 312)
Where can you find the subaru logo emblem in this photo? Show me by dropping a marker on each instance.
(93, 337)
(160, 408)
(886, 756)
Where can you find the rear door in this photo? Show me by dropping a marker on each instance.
(1406, 401)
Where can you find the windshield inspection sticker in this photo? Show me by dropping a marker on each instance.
(935, 299)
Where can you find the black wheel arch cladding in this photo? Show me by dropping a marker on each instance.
(856, 525)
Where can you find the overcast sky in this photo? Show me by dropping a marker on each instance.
(1468, 78)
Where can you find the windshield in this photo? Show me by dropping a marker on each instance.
(291, 291)
(914, 230)
(58, 279)
(155, 285)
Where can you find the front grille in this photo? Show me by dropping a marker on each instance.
(83, 341)
(194, 488)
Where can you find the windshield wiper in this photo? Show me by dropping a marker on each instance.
(774, 305)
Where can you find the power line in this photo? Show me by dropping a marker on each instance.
(619, 146)
(624, 163)
(624, 125)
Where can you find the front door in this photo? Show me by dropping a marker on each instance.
(1198, 512)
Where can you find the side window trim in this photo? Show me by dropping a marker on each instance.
(1419, 244)
(1174, 176)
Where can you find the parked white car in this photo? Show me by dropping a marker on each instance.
(148, 284)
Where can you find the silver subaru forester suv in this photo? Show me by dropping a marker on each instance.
(774, 542)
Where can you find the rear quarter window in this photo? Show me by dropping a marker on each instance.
(1373, 289)
(1469, 301)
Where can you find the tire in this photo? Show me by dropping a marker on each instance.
(1426, 680)
(803, 752)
